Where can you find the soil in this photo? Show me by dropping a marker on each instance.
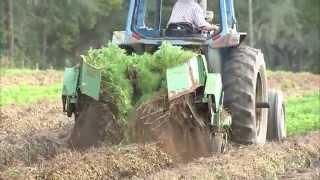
(296, 158)
(42, 78)
(32, 133)
(34, 144)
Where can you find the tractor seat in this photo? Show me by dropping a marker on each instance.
(182, 30)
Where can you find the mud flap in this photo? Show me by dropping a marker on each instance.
(90, 80)
(70, 81)
(83, 79)
(69, 90)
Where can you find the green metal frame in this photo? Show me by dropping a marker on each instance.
(188, 77)
(181, 80)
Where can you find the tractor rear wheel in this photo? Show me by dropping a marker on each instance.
(245, 84)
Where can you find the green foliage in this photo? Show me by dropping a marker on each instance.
(303, 114)
(128, 79)
(25, 94)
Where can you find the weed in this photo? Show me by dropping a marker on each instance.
(303, 113)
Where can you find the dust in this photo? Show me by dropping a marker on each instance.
(173, 130)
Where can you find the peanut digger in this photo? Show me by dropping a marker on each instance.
(218, 93)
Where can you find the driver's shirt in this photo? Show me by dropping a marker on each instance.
(188, 11)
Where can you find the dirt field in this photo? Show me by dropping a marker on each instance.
(295, 157)
(33, 145)
(48, 77)
(294, 84)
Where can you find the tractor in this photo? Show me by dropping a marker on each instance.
(221, 94)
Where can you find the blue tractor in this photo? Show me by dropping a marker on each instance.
(224, 89)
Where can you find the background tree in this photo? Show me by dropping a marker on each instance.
(282, 32)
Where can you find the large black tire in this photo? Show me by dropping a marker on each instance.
(276, 118)
(244, 84)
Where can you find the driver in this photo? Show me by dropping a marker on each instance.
(189, 13)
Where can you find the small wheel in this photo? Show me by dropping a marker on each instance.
(276, 117)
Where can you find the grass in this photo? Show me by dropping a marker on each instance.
(26, 94)
(303, 113)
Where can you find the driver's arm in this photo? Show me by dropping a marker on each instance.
(212, 27)
(200, 20)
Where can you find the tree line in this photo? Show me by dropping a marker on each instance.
(54, 33)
